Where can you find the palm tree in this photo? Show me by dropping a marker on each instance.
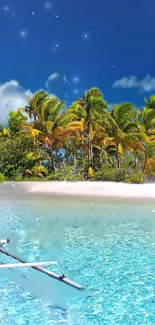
(125, 132)
(35, 103)
(15, 120)
(47, 124)
(148, 118)
(149, 161)
(124, 114)
(150, 103)
(90, 110)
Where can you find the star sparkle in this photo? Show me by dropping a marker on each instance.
(85, 36)
(56, 15)
(5, 8)
(75, 79)
(23, 33)
(76, 91)
(56, 46)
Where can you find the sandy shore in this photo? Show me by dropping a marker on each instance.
(83, 189)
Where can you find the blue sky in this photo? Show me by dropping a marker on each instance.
(67, 46)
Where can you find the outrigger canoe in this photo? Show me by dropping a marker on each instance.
(36, 266)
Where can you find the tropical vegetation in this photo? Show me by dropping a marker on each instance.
(45, 140)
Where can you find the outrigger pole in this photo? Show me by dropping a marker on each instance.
(35, 266)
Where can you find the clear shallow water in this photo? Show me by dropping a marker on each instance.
(109, 248)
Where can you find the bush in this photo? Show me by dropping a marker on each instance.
(109, 174)
(18, 178)
(68, 174)
(2, 178)
(13, 155)
(137, 177)
(119, 175)
(35, 179)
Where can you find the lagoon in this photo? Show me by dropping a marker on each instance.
(106, 245)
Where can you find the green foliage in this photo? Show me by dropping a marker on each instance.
(148, 118)
(13, 152)
(18, 178)
(150, 103)
(136, 177)
(2, 178)
(68, 174)
(15, 121)
(123, 114)
(109, 174)
(35, 179)
(35, 104)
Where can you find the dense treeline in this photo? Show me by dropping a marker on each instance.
(48, 140)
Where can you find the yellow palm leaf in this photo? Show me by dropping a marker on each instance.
(6, 132)
(149, 165)
(151, 138)
(91, 172)
(108, 141)
(76, 126)
(91, 134)
(120, 149)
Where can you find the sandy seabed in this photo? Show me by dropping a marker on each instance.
(110, 190)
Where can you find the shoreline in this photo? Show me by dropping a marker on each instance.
(101, 190)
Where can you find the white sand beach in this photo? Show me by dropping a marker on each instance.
(103, 190)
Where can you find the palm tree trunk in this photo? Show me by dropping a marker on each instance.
(100, 157)
(74, 159)
(136, 161)
(38, 152)
(145, 164)
(118, 161)
(52, 158)
(89, 141)
(89, 151)
(57, 158)
(118, 158)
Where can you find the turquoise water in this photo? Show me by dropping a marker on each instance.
(107, 247)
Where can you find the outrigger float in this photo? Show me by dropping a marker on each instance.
(36, 266)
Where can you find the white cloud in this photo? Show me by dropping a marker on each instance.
(52, 76)
(12, 97)
(29, 93)
(146, 84)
